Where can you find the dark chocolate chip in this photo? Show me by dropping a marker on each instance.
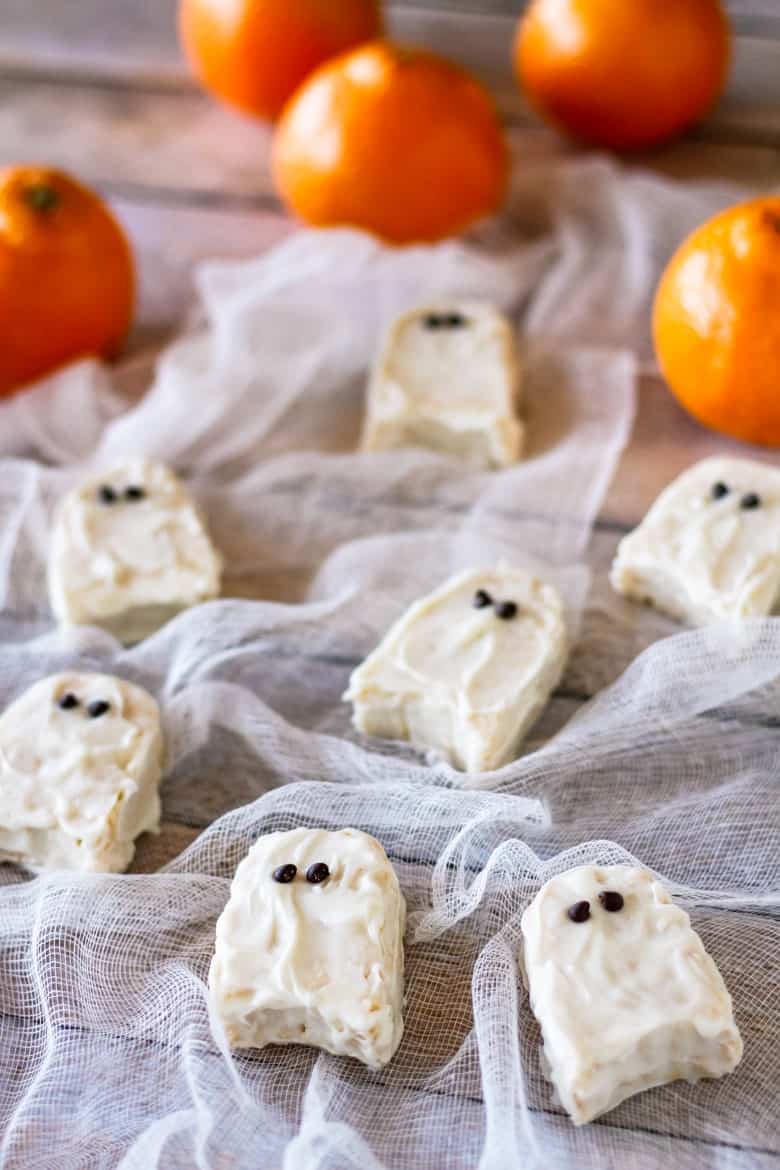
(579, 912)
(719, 490)
(106, 494)
(750, 501)
(284, 874)
(506, 610)
(97, 708)
(455, 320)
(134, 492)
(611, 900)
(481, 599)
(68, 701)
(432, 321)
(317, 873)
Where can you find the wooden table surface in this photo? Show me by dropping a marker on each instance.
(99, 87)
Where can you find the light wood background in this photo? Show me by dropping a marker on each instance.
(99, 87)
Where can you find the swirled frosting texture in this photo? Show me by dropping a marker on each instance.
(626, 1000)
(299, 963)
(460, 679)
(454, 388)
(76, 790)
(703, 557)
(130, 564)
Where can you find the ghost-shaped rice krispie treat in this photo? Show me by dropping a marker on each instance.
(709, 548)
(467, 669)
(81, 759)
(448, 378)
(129, 550)
(309, 948)
(624, 991)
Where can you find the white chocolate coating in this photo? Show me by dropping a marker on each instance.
(313, 964)
(132, 565)
(76, 791)
(462, 680)
(451, 389)
(626, 1000)
(702, 559)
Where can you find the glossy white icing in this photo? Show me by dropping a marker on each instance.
(455, 388)
(626, 999)
(460, 679)
(702, 557)
(299, 963)
(130, 564)
(76, 790)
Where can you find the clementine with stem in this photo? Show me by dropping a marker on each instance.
(67, 284)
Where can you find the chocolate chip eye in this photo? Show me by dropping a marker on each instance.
(317, 873)
(106, 494)
(284, 874)
(611, 900)
(432, 321)
(579, 912)
(719, 490)
(134, 492)
(749, 501)
(455, 320)
(481, 599)
(68, 702)
(98, 708)
(506, 610)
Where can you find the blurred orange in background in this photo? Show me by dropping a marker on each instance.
(716, 322)
(624, 74)
(67, 284)
(255, 53)
(397, 141)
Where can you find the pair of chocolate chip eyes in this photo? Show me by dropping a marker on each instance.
(749, 501)
(444, 321)
(110, 495)
(95, 709)
(315, 874)
(502, 609)
(611, 900)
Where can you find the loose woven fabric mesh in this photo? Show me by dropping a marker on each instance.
(660, 745)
